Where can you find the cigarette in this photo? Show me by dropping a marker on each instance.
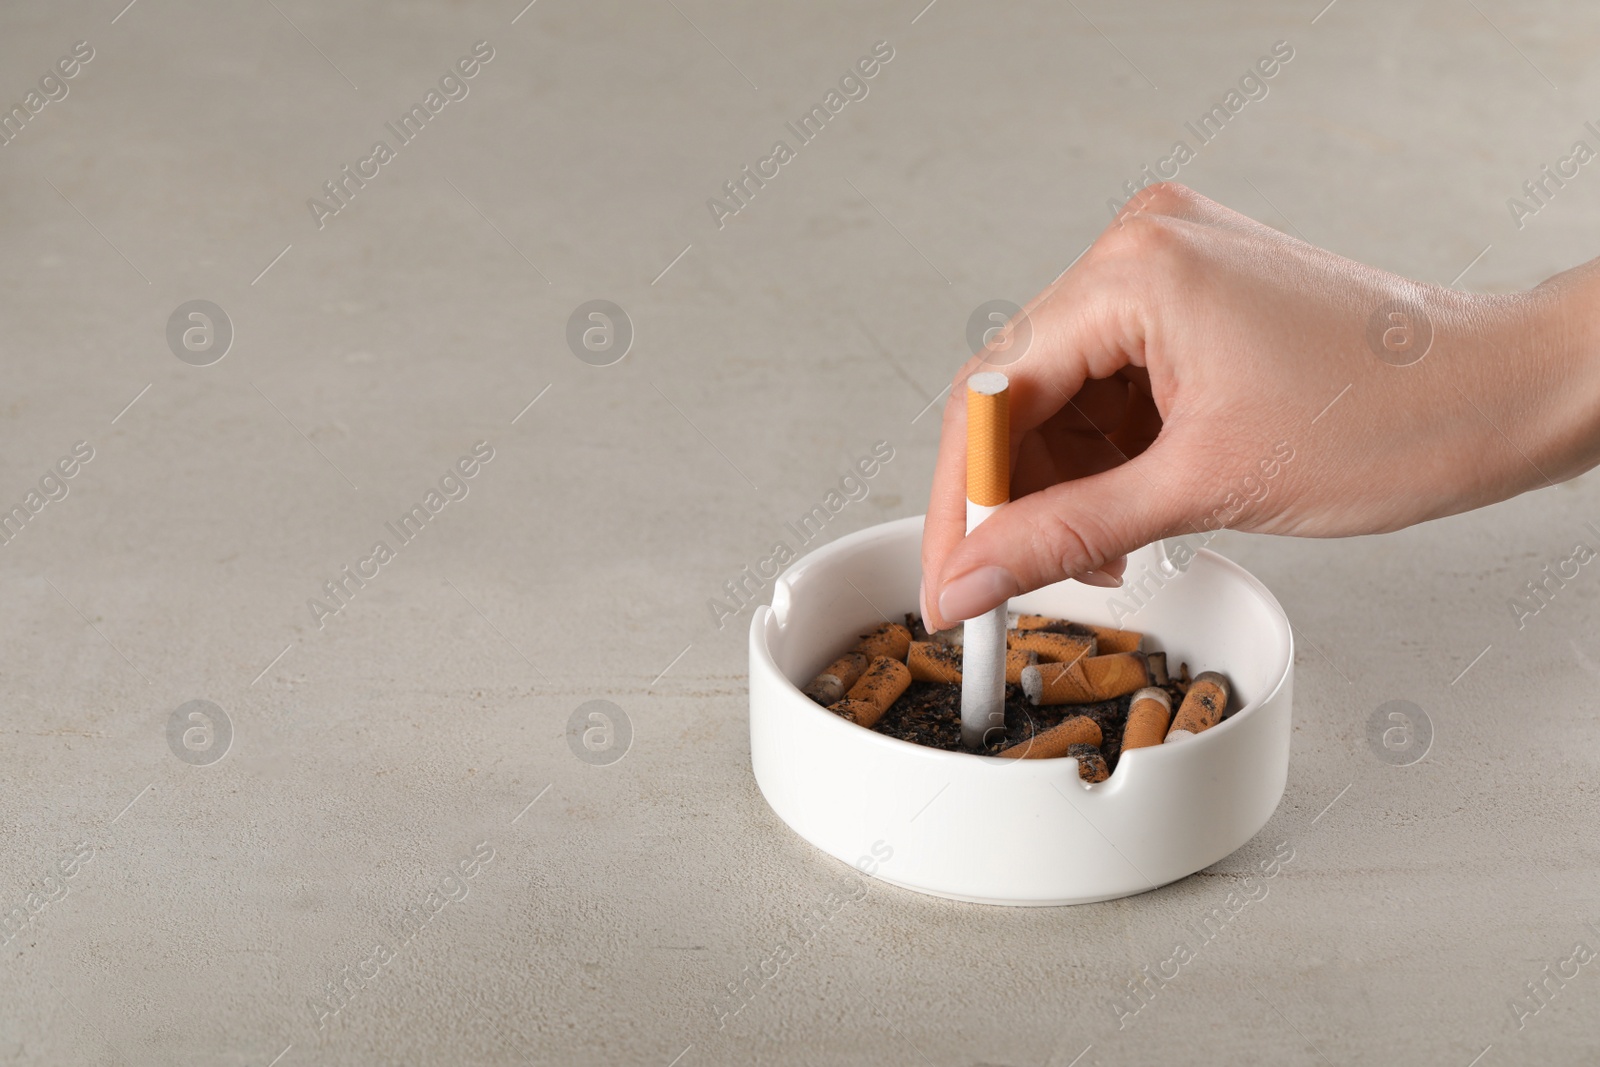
(983, 653)
(1147, 719)
(1053, 648)
(873, 694)
(859, 712)
(1112, 640)
(933, 663)
(1158, 667)
(1091, 764)
(1047, 744)
(1087, 680)
(891, 639)
(1109, 639)
(1017, 661)
(930, 662)
(836, 678)
(1202, 707)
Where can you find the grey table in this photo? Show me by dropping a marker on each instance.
(376, 841)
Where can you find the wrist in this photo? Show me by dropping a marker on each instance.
(1557, 327)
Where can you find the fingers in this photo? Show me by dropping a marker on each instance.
(1076, 529)
(1143, 423)
(1107, 577)
(1035, 467)
(1084, 337)
(1091, 323)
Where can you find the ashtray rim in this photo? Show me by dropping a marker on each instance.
(783, 591)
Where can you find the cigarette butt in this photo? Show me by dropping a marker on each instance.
(1049, 624)
(1148, 716)
(988, 439)
(836, 679)
(1052, 648)
(1109, 639)
(929, 662)
(1158, 667)
(1087, 680)
(1202, 707)
(1017, 661)
(951, 638)
(891, 639)
(1047, 744)
(875, 691)
(860, 712)
(1091, 764)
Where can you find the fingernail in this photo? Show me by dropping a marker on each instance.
(922, 602)
(1099, 578)
(974, 593)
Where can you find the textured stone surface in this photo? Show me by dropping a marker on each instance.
(370, 755)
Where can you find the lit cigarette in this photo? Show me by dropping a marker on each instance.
(836, 678)
(1047, 744)
(876, 690)
(983, 652)
(1202, 707)
(931, 662)
(1147, 719)
(1087, 680)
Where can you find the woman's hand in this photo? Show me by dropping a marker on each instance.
(1196, 369)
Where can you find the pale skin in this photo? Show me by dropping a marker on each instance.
(1191, 343)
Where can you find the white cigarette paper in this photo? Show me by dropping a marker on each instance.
(983, 652)
(983, 662)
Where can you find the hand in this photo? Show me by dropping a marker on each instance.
(1196, 370)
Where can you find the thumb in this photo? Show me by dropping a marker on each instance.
(1064, 532)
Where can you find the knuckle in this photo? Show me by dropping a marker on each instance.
(1068, 545)
(1144, 236)
(1162, 198)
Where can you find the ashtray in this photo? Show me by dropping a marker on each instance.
(1021, 832)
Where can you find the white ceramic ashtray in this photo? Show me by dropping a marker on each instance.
(1020, 831)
